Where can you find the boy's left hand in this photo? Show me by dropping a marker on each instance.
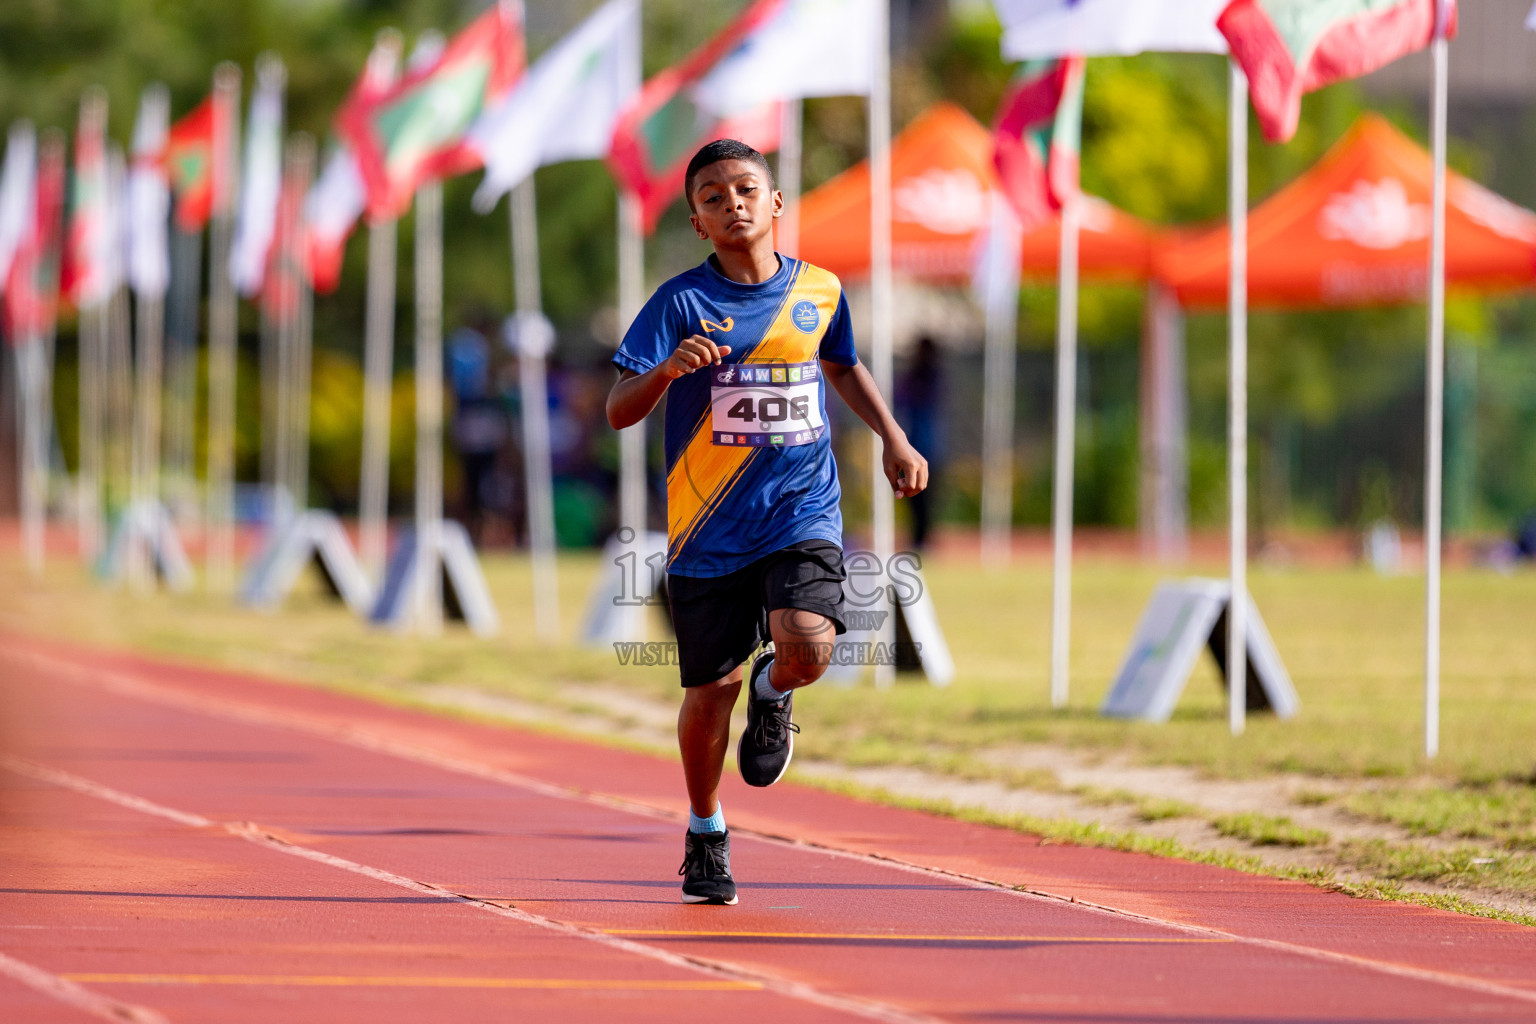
(905, 467)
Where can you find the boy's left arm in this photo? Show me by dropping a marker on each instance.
(904, 466)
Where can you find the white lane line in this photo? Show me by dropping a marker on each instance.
(72, 994)
(254, 833)
(135, 686)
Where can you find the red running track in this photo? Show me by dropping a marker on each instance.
(181, 845)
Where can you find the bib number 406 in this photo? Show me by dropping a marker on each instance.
(771, 409)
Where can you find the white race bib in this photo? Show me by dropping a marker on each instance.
(766, 404)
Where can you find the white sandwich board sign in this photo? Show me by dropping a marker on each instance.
(1184, 617)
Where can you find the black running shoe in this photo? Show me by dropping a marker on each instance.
(706, 869)
(769, 740)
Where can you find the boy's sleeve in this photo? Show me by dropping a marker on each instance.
(647, 342)
(837, 343)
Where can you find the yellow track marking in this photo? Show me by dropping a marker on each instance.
(347, 981)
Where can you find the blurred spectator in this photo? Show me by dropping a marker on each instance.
(1525, 539)
(919, 410)
(479, 423)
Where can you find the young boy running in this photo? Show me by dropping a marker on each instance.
(742, 344)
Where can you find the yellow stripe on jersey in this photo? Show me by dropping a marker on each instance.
(706, 472)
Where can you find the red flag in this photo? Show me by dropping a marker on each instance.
(1037, 173)
(339, 195)
(287, 260)
(414, 133)
(191, 159)
(664, 126)
(1291, 47)
(32, 287)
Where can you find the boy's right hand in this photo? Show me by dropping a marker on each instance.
(692, 353)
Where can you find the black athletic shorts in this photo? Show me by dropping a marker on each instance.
(721, 620)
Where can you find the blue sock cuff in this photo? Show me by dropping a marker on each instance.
(714, 823)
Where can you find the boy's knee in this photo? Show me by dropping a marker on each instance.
(803, 661)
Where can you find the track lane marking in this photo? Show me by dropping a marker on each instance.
(894, 937)
(251, 832)
(134, 685)
(428, 981)
(68, 991)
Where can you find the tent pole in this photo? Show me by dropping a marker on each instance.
(632, 468)
(378, 373)
(1063, 468)
(1237, 401)
(428, 615)
(533, 384)
(1434, 412)
(881, 291)
(791, 125)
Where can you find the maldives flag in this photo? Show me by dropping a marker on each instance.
(1039, 172)
(339, 195)
(661, 129)
(189, 158)
(287, 259)
(90, 263)
(1290, 47)
(32, 285)
(414, 132)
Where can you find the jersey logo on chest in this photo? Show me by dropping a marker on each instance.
(710, 326)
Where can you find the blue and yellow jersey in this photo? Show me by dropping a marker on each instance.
(749, 456)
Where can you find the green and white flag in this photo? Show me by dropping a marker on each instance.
(565, 107)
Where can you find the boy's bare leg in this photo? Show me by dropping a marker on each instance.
(703, 735)
(802, 647)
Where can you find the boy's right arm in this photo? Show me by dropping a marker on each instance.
(636, 394)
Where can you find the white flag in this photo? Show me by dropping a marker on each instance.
(805, 48)
(18, 182)
(565, 106)
(260, 180)
(149, 197)
(1055, 28)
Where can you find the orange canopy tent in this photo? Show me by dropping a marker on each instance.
(942, 183)
(1354, 231)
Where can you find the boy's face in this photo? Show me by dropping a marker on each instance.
(734, 204)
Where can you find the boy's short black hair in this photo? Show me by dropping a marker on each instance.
(713, 153)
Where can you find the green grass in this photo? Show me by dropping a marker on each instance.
(1504, 812)
(1266, 830)
(1462, 867)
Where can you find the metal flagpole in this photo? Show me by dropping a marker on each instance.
(1064, 464)
(532, 348)
(1237, 400)
(181, 367)
(881, 292)
(378, 373)
(221, 336)
(429, 408)
(1434, 411)
(1001, 359)
(791, 125)
(150, 356)
(117, 362)
(301, 166)
(94, 320)
(632, 468)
